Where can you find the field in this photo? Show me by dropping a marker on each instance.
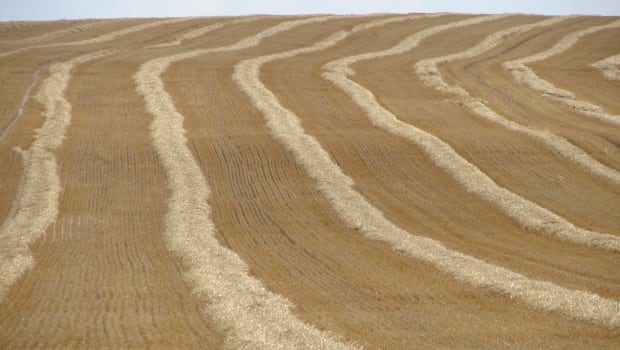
(339, 182)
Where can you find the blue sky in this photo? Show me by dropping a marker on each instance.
(75, 9)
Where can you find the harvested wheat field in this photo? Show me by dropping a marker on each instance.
(338, 182)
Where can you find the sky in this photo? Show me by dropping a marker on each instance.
(13, 10)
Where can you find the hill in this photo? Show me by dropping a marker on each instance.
(382, 181)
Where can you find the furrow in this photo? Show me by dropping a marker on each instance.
(252, 316)
(609, 67)
(522, 73)
(358, 213)
(36, 205)
(474, 180)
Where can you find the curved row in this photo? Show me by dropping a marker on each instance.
(253, 316)
(58, 33)
(103, 37)
(429, 72)
(204, 30)
(522, 73)
(609, 67)
(358, 213)
(22, 102)
(36, 205)
(259, 242)
(466, 174)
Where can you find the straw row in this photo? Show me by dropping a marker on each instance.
(49, 36)
(609, 67)
(429, 72)
(36, 204)
(251, 316)
(526, 75)
(101, 38)
(358, 213)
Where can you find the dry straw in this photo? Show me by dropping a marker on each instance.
(49, 36)
(36, 204)
(206, 29)
(358, 213)
(526, 75)
(251, 316)
(22, 103)
(609, 67)
(101, 38)
(443, 155)
(429, 72)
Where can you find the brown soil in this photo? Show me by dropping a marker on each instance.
(104, 277)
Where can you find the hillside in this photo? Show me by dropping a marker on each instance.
(385, 181)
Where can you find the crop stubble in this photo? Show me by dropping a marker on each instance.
(524, 74)
(568, 190)
(267, 210)
(360, 214)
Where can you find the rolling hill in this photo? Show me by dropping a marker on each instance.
(380, 181)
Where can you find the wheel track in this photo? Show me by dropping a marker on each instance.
(572, 71)
(11, 164)
(358, 213)
(573, 65)
(106, 328)
(126, 289)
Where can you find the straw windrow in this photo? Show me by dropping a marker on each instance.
(48, 36)
(358, 213)
(252, 316)
(609, 67)
(522, 73)
(101, 38)
(206, 29)
(36, 204)
(474, 180)
(429, 72)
